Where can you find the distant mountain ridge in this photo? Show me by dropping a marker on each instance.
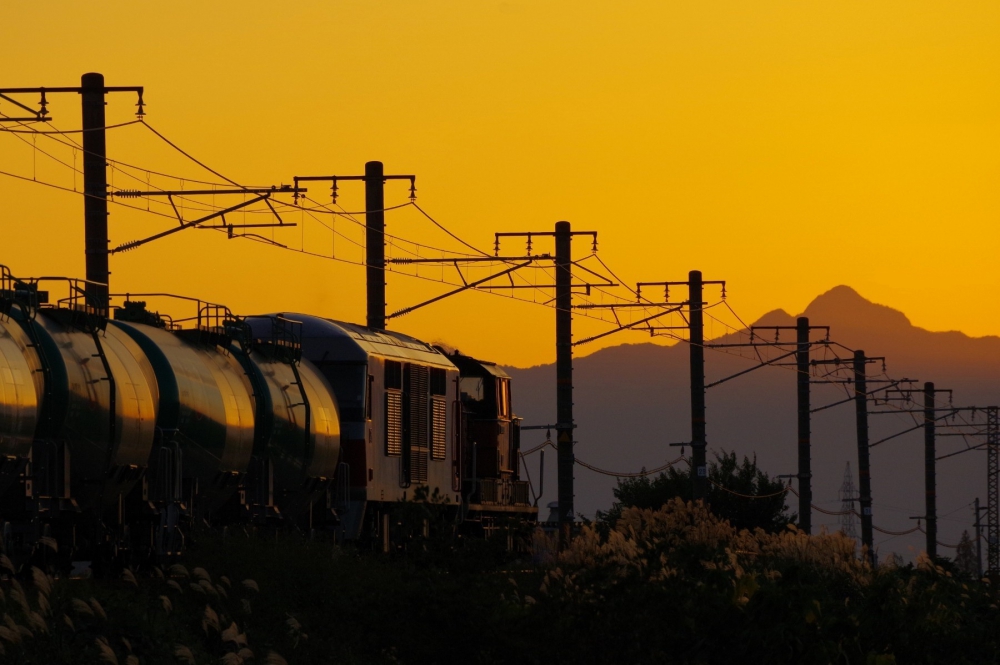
(632, 400)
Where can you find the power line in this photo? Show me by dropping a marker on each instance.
(64, 131)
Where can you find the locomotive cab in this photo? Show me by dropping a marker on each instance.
(491, 439)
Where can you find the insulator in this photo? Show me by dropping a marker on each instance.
(128, 193)
(140, 112)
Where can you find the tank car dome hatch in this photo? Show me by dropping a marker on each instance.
(205, 425)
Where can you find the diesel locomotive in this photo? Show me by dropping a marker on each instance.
(121, 429)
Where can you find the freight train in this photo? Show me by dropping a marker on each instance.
(121, 429)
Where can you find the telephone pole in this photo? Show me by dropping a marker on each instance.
(92, 93)
(374, 179)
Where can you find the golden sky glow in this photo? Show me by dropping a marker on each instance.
(786, 147)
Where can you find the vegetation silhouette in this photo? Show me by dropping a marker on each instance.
(672, 584)
(739, 492)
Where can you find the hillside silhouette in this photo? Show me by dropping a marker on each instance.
(632, 400)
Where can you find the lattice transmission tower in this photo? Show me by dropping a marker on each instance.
(848, 495)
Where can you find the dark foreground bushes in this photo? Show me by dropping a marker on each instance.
(675, 585)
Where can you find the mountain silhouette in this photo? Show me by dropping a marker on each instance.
(632, 401)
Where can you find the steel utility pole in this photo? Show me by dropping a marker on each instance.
(374, 179)
(92, 92)
(864, 464)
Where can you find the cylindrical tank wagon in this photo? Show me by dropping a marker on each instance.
(117, 431)
(90, 394)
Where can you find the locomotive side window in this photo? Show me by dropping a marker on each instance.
(439, 381)
(393, 375)
(368, 397)
(503, 398)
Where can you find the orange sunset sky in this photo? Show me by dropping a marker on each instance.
(785, 146)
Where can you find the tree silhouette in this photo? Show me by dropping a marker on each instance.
(738, 492)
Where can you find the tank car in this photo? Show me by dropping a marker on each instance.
(248, 430)
(88, 398)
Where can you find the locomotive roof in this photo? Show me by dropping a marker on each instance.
(469, 365)
(330, 340)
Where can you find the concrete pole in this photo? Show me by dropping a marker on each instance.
(95, 187)
(375, 243)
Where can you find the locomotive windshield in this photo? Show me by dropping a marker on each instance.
(348, 382)
(472, 388)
